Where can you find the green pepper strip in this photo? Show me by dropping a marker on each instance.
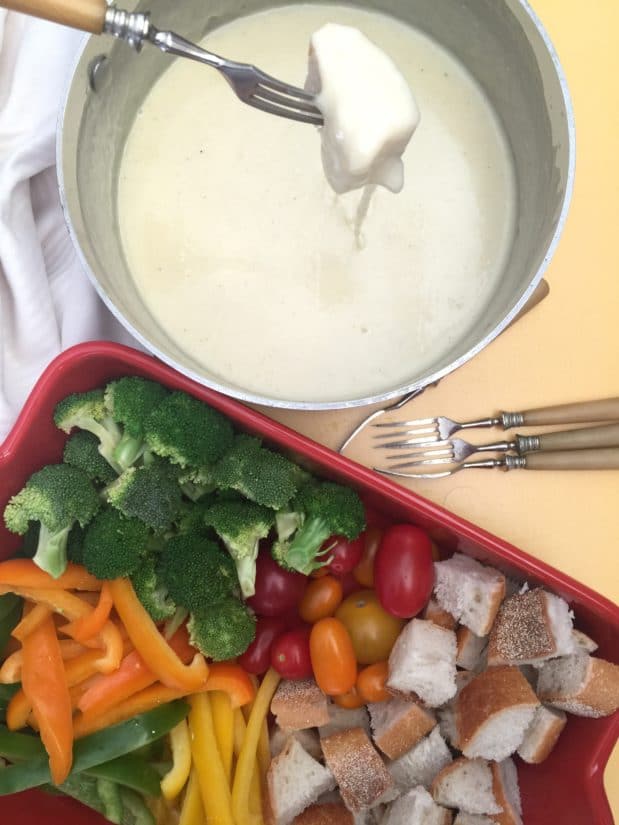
(6, 694)
(19, 746)
(131, 772)
(102, 746)
(10, 614)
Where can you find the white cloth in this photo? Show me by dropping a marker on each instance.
(47, 303)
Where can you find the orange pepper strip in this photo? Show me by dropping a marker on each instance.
(151, 645)
(30, 621)
(25, 573)
(148, 699)
(233, 680)
(11, 667)
(88, 626)
(45, 684)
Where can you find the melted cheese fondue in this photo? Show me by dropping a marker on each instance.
(247, 258)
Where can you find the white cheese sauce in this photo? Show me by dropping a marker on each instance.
(249, 261)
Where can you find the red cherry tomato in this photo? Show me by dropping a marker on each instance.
(344, 554)
(290, 655)
(364, 571)
(257, 657)
(277, 590)
(349, 584)
(403, 570)
(374, 517)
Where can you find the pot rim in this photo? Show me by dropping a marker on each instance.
(388, 395)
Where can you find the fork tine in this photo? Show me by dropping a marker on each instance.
(397, 445)
(267, 93)
(422, 463)
(271, 82)
(413, 423)
(444, 474)
(282, 111)
(444, 450)
(429, 433)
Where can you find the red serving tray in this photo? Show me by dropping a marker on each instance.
(566, 788)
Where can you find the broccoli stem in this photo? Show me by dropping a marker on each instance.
(109, 435)
(51, 554)
(304, 554)
(246, 571)
(128, 451)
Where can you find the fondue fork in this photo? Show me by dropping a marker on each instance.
(250, 84)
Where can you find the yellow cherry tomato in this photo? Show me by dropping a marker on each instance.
(372, 630)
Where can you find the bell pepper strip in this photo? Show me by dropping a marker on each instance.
(30, 621)
(264, 747)
(223, 724)
(44, 683)
(192, 812)
(6, 694)
(93, 750)
(19, 746)
(151, 645)
(247, 757)
(230, 678)
(131, 771)
(10, 615)
(214, 786)
(176, 778)
(25, 573)
(255, 791)
(113, 648)
(88, 626)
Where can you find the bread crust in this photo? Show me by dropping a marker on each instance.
(509, 815)
(329, 813)
(597, 696)
(542, 735)
(522, 631)
(299, 704)
(405, 731)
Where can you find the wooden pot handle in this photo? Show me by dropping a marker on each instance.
(87, 15)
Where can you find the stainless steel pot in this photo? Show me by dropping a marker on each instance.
(501, 42)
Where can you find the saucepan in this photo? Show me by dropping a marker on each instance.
(500, 42)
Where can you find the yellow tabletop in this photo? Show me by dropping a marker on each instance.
(566, 349)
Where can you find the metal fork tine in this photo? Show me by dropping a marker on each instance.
(420, 421)
(429, 433)
(267, 93)
(282, 111)
(422, 463)
(397, 445)
(278, 85)
(446, 450)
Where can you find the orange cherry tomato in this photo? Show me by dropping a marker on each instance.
(333, 657)
(321, 598)
(372, 630)
(372, 681)
(351, 700)
(436, 553)
(364, 571)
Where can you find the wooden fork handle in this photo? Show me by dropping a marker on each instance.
(588, 437)
(607, 459)
(87, 15)
(604, 409)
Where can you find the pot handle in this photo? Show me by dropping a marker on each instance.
(88, 15)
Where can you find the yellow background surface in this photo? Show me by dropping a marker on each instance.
(566, 349)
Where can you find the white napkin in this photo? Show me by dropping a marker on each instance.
(46, 301)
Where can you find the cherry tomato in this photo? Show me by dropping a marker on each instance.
(321, 598)
(333, 657)
(344, 554)
(350, 700)
(349, 584)
(257, 657)
(277, 590)
(372, 629)
(436, 553)
(374, 517)
(290, 654)
(372, 681)
(403, 570)
(364, 571)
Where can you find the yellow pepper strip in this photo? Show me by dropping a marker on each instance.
(239, 728)
(32, 618)
(192, 812)
(152, 646)
(176, 778)
(247, 757)
(214, 786)
(255, 791)
(223, 723)
(264, 748)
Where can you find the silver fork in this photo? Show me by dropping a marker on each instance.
(455, 450)
(250, 84)
(440, 428)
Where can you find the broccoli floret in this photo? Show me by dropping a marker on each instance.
(196, 482)
(151, 592)
(196, 571)
(87, 411)
(75, 544)
(323, 509)
(150, 493)
(241, 525)
(130, 401)
(187, 431)
(58, 496)
(114, 544)
(222, 631)
(82, 450)
(257, 473)
(190, 517)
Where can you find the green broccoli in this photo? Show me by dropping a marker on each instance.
(151, 592)
(187, 431)
(114, 544)
(196, 482)
(257, 473)
(241, 525)
(190, 517)
(87, 411)
(222, 631)
(150, 493)
(58, 496)
(82, 450)
(75, 544)
(196, 571)
(130, 401)
(323, 509)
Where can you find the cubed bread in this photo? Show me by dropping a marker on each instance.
(583, 685)
(329, 813)
(473, 819)
(583, 643)
(307, 737)
(493, 713)
(299, 704)
(421, 763)
(416, 808)
(295, 781)
(423, 661)
(542, 734)
(471, 592)
(398, 724)
(506, 792)
(531, 627)
(470, 649)
(433, 612)
(344, 718)
(363, 779)
(466, 784)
